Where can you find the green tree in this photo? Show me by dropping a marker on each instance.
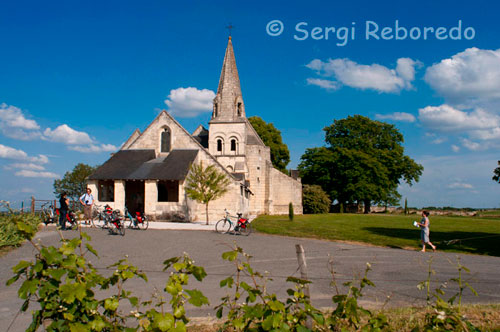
(315, 200)
(363, 161)
(205, 184)
(496, 171)
(74, 182)
(280, 156)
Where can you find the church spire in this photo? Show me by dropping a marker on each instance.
(228, 103)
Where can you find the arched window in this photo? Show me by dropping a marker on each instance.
(233, 144)
(239, 109)
(165, 140)
(219, 145)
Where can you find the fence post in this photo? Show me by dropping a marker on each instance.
(32, 205)
(301, 258)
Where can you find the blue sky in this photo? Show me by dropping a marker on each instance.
(77, 77)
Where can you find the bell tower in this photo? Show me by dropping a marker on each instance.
(228, 126)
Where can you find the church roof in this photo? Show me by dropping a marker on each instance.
(175, 166)
(142, 165)
(122, 164)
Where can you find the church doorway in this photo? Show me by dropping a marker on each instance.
(134, 196)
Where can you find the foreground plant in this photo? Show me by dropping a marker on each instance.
(64, 283)
(252, 308)
(445, 315)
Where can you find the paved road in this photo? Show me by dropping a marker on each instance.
(395, 272)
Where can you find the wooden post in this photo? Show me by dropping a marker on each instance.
(32, 205)
(301, 258)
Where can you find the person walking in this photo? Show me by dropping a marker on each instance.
(87, 200)
(63, 210)
(424, 233)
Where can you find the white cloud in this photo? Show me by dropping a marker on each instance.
(455, 148)
(14, 124)
(460, 185)
(67, 135)
(325, 84)
(478, 130)
(189, 102)
(471, 77)
(446, 118)
(397, 116)
(13, 117)
(35, 174)
(94, 148)
(11, 153)
(30, 166)
(374, 77)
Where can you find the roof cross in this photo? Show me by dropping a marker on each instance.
(229, 27)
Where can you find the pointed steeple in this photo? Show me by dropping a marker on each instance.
(228, 103)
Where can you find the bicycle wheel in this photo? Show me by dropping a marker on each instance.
(246, 229)
(104, 222)
(223, 226)
(144, 223)
(121, 228)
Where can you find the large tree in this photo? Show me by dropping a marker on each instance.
(205, 184)
(280, 156)
(496, 171)
(363, 161)
(74, 182)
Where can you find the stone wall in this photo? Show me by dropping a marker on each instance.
(283, 191)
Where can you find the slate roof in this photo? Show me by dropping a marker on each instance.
(122, 164)
(142, 165)
(173, 167)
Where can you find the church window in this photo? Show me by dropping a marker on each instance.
(219, 145)
(168, 191)
(165, 140)
(233, 144)
(106, 191)
(215, 110)
(239, 109)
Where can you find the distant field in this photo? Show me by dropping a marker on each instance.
(475, 235)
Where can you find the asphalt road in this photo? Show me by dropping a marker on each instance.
(395, 272)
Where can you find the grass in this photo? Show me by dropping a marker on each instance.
(473, 235)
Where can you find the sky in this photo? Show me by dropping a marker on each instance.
(78, 77)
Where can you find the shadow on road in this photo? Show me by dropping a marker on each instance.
(472, 242)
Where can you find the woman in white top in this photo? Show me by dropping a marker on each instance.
(424, 234)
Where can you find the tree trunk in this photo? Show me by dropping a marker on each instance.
(206, 211)
(367, 206)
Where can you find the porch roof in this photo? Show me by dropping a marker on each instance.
(175, 166)
(142, 165)
(122, 164)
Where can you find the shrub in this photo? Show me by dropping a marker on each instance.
(9, 233)
(315, 200)
(290, 211)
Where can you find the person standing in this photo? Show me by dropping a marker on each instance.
(424, 233)
(87, 200)
(63, 210)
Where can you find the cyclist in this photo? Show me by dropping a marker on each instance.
(63, 210)
(87, 200)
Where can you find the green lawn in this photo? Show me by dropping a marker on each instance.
(473, 234)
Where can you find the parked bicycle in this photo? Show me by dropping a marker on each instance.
(139, 221)
(50, 214)
(241, 226)
(112, 221)
(98, 215)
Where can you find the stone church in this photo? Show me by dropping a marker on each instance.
(148, 173)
